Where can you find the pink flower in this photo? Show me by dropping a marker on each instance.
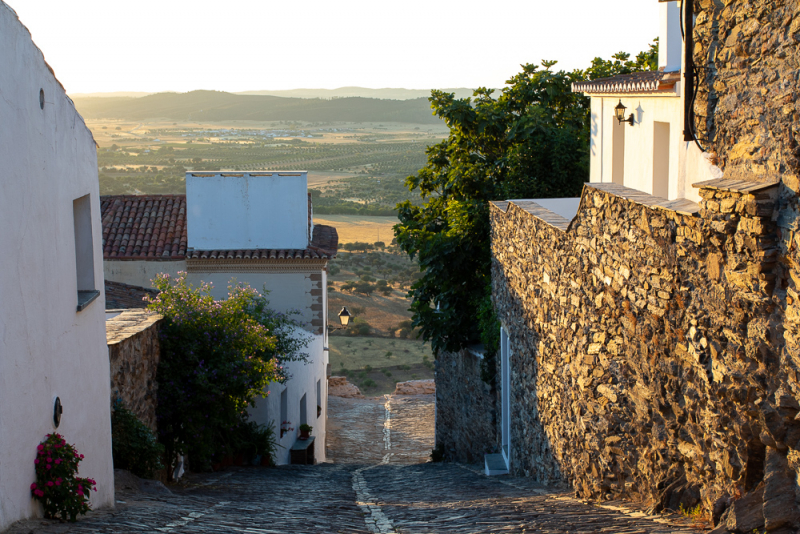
(33, 486)
(58, 461)
(36, 461)
(40, 493)
(49, 466)
(50, 483)
(81, 457)
(49, 459)
(40, 447)
(58, 482)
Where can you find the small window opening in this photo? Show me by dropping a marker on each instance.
(303, 411)
(84, 251)
(41, 98)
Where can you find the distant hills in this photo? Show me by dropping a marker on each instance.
(341, 92)
(221, 106)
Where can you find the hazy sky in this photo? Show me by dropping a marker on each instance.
(240, 45)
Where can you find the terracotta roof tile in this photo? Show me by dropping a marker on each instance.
(146, 227)
(639, 82)
(153, 227)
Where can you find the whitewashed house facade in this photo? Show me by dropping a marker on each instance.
(52, 310)
(257, 228)
(652, 153)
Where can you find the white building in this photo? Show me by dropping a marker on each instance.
(257, 228)
(650, 153)
(52, 316)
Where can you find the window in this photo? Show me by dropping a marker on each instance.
(661, 159)
(303, 412)
(84, 251)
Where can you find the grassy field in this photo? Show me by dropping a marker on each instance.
(376, 364)
(352, 228)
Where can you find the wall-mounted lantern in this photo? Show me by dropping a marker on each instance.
(57, 411)
(619, 112)
(344, 319)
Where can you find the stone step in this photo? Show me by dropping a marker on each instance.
(495, 464)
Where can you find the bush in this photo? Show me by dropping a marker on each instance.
(133, 445)
(256, 440)
(217, 357)
(368, 383)
(63, 494)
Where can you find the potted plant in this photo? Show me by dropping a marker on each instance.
(305, 431)
(286, 427)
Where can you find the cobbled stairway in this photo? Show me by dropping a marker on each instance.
(379, 483)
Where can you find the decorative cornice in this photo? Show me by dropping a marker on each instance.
(255, 266)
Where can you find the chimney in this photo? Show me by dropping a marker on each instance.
(670, 42)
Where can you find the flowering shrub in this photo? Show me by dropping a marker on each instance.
(62, 493)
(217, 357)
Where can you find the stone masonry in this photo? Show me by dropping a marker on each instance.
(466, 408)
(134, 352)
(647, 350)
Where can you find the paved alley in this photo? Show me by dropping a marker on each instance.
(379, 482)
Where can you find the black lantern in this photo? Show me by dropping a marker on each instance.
(619, 112)
(344, 316)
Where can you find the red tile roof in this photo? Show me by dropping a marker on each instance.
(119, 295)
(153, 227)
(144, 227)
(639, 82)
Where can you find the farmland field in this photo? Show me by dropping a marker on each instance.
(352, 228)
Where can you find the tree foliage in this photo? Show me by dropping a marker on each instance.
(217, 357)
(531, 141)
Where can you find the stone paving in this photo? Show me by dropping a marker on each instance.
(378, 483)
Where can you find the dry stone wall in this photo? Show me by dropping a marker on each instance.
(134, 352)
(749, 53)
(648, 358)
(467, 408)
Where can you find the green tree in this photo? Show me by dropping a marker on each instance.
(532, 141)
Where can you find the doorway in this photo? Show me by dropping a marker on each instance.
(505, 396)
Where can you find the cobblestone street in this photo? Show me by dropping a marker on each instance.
(379, 482)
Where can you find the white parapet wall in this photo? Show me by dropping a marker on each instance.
(238, 211)
(49, 203)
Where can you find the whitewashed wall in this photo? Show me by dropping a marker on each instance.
(140, 273)
(686, 162)
(47, 348)
(231, 211)
(305, 377)
(287, 291)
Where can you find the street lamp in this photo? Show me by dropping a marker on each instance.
(619, 112)
(344, 317)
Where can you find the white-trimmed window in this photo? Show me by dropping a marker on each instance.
(84, 251)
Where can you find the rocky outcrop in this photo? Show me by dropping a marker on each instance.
(338, 386)
(415, 387)
(133, 353)
(648, 358)
(466, 408)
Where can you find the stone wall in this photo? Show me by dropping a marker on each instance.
(647, 350)
(466, 408)
(134, 352)
(746, 110)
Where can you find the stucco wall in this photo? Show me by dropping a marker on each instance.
(648, 357)
(140, 273)
(49, 349)
(231, 211)
(686, 164)
(305, 377)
